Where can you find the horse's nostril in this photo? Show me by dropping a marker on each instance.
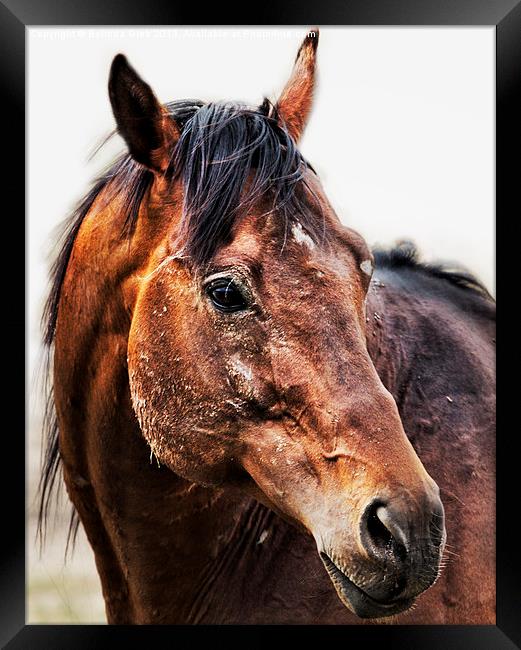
(382, 534)
(391, 525)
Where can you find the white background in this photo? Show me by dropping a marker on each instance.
(402, 131)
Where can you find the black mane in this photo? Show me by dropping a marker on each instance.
(222, 146)
(219, 148)
(405, 255)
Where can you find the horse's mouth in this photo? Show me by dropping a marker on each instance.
(357, 600)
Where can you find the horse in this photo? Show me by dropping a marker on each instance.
(257, 418)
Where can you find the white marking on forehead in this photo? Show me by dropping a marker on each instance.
(367, 267)
(300, 236)
(241, 369)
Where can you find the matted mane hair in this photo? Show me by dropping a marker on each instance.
(228, 157)
(405, 254)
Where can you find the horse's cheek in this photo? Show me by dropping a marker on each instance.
(175, 420)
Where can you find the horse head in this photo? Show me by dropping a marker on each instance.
(247, 356)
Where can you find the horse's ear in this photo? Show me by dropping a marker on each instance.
(144, 124)
(294, 104)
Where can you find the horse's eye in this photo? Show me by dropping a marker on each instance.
(226, 296)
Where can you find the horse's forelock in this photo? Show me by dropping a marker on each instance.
(228, 158)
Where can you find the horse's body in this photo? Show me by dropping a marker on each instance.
(171, 547)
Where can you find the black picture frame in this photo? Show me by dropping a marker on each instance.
(15, 17)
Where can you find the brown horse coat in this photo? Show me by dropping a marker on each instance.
(210, 454)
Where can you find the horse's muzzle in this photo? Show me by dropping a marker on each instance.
(358, 601)
(398, 558)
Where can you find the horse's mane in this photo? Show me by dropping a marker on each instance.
(406, 255)
(228, 157)
(221, 145)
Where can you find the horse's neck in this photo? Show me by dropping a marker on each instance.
(159, 540)
(438, 364)
(136, 514)
(169, 551)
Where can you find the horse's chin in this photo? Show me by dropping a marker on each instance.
(357, 600)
